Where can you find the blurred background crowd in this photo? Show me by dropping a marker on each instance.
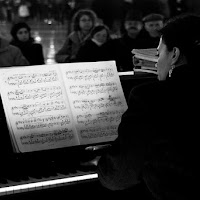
(111, 11)
(50, 21)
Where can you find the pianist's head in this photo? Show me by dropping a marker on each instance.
(179, 46)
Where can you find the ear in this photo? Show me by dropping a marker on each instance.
(175, 55)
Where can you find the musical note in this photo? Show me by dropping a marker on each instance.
(89, 74)
(38, 108)
(47, 137)
(98, 132)
(32, 78)
(43, 122)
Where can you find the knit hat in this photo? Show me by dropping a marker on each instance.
(153, 17)
(18, 26)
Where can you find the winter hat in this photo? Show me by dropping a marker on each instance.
(153, 17)
(16, 28)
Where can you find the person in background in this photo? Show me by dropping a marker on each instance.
(82, 23)
(157, 144)
(21, 38)
(152, 24)
(11, 55)
(119, 49)
(93, 49)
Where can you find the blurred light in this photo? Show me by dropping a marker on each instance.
(38, 39)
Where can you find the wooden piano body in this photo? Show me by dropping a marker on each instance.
(54, 173)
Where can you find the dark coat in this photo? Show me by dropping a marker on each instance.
(32, 51)
(148, 41)
(11, 55)
(157, 140)
(119, 49)
(90, 52)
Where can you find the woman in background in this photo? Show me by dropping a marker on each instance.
(21, 37)
(82, 23)
(93, 49)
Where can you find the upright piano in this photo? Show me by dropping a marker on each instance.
(54, 173)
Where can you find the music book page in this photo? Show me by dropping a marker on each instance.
(61, 105)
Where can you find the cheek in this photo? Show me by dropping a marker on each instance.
(163, 67)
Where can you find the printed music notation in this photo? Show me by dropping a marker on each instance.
(89, 74)
(49, 137)
(62, 105)
(33, 78)
(93, 89)
(52, 92)
(38, 108)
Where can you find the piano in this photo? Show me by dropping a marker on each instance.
(54, 173)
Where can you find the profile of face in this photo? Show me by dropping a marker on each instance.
(133, 27)
(153, 27)
(165, 60)
(85, 23)
(101, 36)
(23, 35)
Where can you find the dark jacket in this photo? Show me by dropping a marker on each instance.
(11, 55)
(70, 48)
(119, 49)
(148, 41)
(157, 139)
(31, 50)
(90, 52)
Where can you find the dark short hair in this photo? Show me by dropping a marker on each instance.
(99, 28)
(182, 31)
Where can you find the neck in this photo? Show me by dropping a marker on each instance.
(181, 61)
(132, 35)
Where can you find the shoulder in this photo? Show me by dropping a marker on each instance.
(73, 36)
(3, 43)
(148, 87)
(89, 43)
(14, 49)
(149, 92)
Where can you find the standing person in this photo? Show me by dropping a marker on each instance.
(153, 22)
(82, 23)
(21, 37)
(23, 10)
(157, 140)
(11, 55)
(93, 49)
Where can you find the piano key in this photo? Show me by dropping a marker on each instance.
(57, 182)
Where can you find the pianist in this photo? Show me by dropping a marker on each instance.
(157, 137)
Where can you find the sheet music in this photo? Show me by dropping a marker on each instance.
(38, 110)
(96, 98)
(61, 105)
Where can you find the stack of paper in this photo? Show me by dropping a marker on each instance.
(145, 59)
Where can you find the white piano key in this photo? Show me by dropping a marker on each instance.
(16, 189)
(2, 191)
(24, 188)
(9, 190)
(46, 184)
(38, 186)
(31, 186)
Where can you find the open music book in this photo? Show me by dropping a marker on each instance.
(61, 105)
